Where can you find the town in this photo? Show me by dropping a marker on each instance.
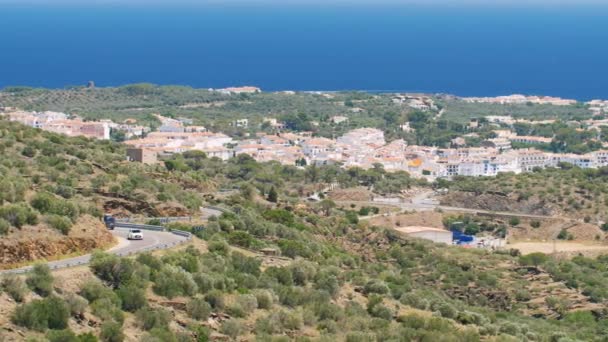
(361, 147)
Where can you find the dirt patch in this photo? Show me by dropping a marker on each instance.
(550, 229)
(557, 247)
(497, 202)
(44, 243)
(423, 218)
(351, 194)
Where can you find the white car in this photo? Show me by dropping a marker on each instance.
(135, 234)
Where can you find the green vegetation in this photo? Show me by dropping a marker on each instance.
(337, 277)
(461, 111)
(568, 190)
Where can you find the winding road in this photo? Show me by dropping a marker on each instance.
(153, 240)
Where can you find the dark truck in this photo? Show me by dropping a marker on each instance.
(109, 221)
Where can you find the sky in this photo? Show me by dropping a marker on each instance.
(544, 3)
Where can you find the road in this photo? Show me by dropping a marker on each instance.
(152, 240)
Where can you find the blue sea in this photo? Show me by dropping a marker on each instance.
(465, 50)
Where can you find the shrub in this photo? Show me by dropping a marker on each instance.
(198, 309)
(375, 286)
(244, 305)
(219, 246)
(381, 311)
(265, 298)
(40, 280)
(76, 304)
(111, 332)
(18, 214)
(533, 259)
(15, 287)
(215, 298)
(61, 223)
(233, 328)
(133, 297)
(149, 318)
(514, 221)
(278, 322)
(535, 224)
(68, 336)
(61, 336)
(107, 310)
(565, 235)
(358, 336)
(327, 282)
(43, 202)
(173, 281)
(204, 282)
(446, 310)
(94, 290)
(160, 335)
(240, 238)
(112, 269)
(41, 314)
(414, 300)
(4, 226)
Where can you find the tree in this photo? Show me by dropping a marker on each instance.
(273, 196)
(533, 259)
(327, 205)
(247, 191)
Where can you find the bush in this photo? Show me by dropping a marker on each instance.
(94, 290)
(4, 226)
(265, 298)
(198, 309)
(40, 280)
(133, 297)
(114, 270)
(279, 322)
(41, 314)
(446, 310)
(244, 305)
(233, 328)
(535, 224)
(43, 202)
(15, 287)
(219, 246)
(376, 286)
(160, 335)
(149, 318)
(61, 336)
(107, 310)
(18, 215)
(61, 223)
(215, 298)
(514, 221)
(76, 304)
(111, 332)
(68, 336)
(240, 238)
(414, 300)
(533, 259)
(173, 281)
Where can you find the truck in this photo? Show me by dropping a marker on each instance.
(109, 221)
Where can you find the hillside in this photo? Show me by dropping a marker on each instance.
(335, 280)
(273, 267)
(54, 190)
(566, 192)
